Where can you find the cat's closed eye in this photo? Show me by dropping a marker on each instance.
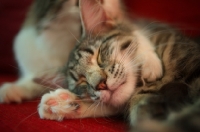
(99, 59)
(81, 89)
(125, 45)
(73, 75)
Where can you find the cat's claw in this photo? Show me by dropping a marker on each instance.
(58, 105)
(10, 93)
(152, 68)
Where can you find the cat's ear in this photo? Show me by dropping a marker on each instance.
(100, 15)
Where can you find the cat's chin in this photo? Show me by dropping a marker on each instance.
(113, 98)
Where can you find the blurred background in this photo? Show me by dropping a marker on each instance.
(185, 14)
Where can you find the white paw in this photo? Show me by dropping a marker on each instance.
(58, 105)
(10, 93)
(152, 68)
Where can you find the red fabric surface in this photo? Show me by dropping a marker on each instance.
(184, 14)
(12, 13)
(23, 117)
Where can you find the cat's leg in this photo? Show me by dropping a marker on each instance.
(61, 104)
(145, 107)
(150, 62)
(157, 105)
(135, 102)
(23, 89)
(151, 67)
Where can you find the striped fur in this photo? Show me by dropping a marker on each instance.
(180, 83)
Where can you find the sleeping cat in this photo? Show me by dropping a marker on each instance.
(99, 28)
(42, 46)
(146, 71)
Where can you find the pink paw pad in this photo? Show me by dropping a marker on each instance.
(64, 96)
(52, 102)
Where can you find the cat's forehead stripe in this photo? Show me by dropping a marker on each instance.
(88, 50)
(110, 37)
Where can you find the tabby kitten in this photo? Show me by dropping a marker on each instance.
(105, 65)
(148, 71)
(42, 46)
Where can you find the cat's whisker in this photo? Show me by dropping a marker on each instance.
(130, 49)
(164, 44)
(46, 87)
(95, 26)
(73, 36)
(158, 32)
(95, 109)
(35, 101)
(15, 128)
(103, 109)
(126, 56)
(132, 64)
(95, 12)
(44, 83)
(75, 10)
(167, 30)
(14, 67)
(116, 50)
(98, 34)
(148, 25)
(89, 108)
(101, 104)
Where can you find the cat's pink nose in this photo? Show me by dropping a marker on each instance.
(102, 85)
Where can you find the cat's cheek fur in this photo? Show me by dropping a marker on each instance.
(105, 96)
(122, 94)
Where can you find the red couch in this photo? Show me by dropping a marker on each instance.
(23, 117)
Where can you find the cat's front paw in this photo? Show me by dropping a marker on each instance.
(58, 105)
(152, 68)
(10, 92)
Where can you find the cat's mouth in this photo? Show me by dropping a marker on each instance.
(117, 93)
(102, 85)
(117, 84)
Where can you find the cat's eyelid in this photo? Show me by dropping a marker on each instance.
(125, 45)
(110, 37)
(99, 58)
(88, 50)
(71, 73)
